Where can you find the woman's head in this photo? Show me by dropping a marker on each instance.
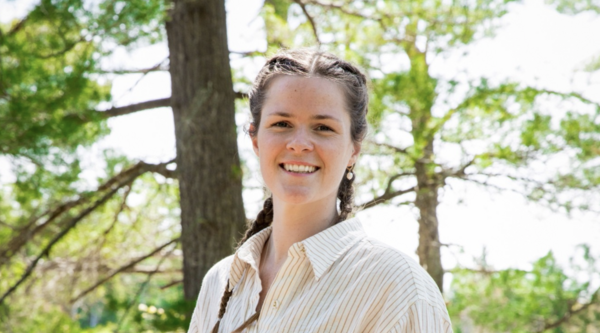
(305, 85)
(308, 63)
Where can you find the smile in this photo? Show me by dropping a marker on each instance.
(299, 168)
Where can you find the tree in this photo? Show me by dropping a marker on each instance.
(49, 91)
(212, 213)
(501, 129)
(86, 255)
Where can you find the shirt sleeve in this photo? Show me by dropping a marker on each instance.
(422, 317)
(200, 311)
(211, 291)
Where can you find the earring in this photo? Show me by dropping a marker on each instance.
(350, 175)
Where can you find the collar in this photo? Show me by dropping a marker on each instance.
(322, 249)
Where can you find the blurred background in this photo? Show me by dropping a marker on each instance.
(482, 160)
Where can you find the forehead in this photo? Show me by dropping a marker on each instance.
(302, 95)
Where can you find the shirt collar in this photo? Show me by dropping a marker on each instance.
(247, 254)
(322, 249)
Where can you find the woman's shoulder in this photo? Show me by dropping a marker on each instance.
(402, 273)
(219, 272)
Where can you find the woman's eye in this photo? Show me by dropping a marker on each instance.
(324, 128)
(281, 124)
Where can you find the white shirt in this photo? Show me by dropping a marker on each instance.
(339, 280)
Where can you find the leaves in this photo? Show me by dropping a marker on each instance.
(506, 135)
(575, 6)
(544, 298)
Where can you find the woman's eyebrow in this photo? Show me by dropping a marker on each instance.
(326, 116)
(280, 114)
(318, 116)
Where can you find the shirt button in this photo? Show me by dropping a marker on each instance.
(275, 304)
(303, 250)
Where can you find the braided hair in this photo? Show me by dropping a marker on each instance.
(306, 63)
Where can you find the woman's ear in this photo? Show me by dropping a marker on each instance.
(355, 153)
(253, 137)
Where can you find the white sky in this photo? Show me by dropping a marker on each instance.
(535, 45)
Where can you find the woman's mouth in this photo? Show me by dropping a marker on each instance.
(299, 168)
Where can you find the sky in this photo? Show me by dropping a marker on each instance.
(535, 45)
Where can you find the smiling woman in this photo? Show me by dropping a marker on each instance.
(304, 127)
(302, 265)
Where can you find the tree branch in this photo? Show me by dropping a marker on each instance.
(134, 270)
(240, 95)
(67, 48)
(157, 103)
(385, 197)
(157, 68)
(571, 312)
(125, 268)
(9, 226)
(341, 9)
(70, 225)
(481, 270)
(392, 147)
(26, 233)
(248, 53)
(460, 172)
(18, 26)
(112, 186)
(139, 292)
(171, 284)
(162, 169)
(388, 189)
(310, 20)
(123, 110)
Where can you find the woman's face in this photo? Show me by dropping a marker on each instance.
(303, 140)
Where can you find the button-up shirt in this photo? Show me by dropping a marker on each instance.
(339, 280)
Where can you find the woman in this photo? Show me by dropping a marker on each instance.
(302, 266)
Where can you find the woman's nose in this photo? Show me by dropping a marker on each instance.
(300, 141)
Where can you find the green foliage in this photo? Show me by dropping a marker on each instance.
(513, 126)
(49, 90)
(51, 319)
(575, 6)
(128, 226)
(546, 298)
(52, 83)
(593, 64)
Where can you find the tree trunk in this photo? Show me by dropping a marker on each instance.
(212, 214)
(421, 101)
(427, 202)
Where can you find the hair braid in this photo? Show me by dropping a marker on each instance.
(263, 220)
(346, 196)
(224, 301)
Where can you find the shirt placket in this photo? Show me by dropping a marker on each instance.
(276, 298)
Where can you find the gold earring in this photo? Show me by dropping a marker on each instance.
(350, 175)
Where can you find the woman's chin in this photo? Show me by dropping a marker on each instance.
(297, 196)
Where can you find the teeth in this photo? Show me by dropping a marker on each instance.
(299, 168)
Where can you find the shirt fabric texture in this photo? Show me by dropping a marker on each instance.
(339, 280)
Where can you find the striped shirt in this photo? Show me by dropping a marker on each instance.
(339, 280)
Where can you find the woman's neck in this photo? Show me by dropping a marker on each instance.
(293, 223)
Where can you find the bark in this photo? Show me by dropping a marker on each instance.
(212, 214)
(427, 202)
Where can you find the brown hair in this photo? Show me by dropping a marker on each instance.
(307, 63)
